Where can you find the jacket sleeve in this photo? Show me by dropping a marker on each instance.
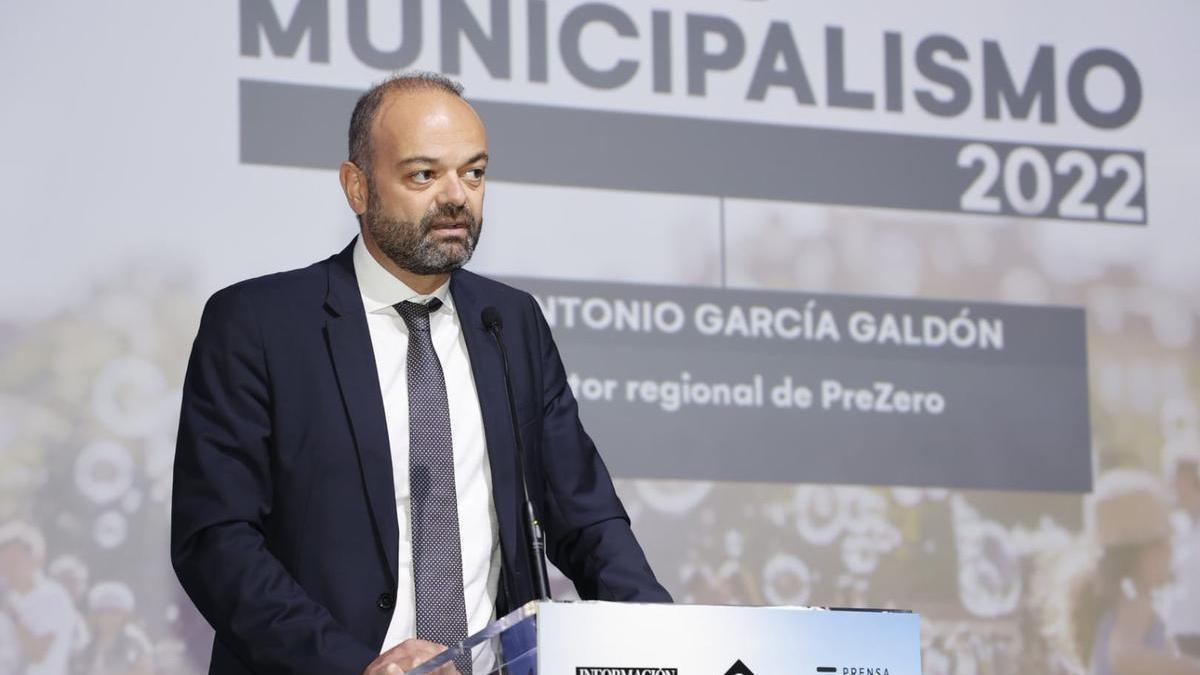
(222, 500)
(588, 532)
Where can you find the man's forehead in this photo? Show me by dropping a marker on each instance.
(410, 120)
(15, 545)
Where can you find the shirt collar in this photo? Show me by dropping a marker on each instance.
(381, 290)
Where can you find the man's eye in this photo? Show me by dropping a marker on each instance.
(475, 174)
(422, 176)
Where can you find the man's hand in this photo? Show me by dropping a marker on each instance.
(408, 655)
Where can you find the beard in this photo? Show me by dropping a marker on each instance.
(414, 246)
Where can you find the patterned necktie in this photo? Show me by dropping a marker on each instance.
(436, 550)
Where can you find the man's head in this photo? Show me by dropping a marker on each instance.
(1186, 480)
(69, 571)
(415, 173)
(111, 604)
(22, 550)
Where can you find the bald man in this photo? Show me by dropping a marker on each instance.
(347, 496)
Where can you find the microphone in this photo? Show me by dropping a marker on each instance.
(533, 530)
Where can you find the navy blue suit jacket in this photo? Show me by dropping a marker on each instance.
(283, 523)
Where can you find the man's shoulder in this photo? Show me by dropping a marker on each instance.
(311, 277)
(48, 599)
(494, 291)
(279, 290)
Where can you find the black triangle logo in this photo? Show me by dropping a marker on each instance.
(739, 668)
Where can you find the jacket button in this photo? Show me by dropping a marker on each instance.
(385, 601)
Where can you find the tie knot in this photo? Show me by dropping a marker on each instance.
(415, 314)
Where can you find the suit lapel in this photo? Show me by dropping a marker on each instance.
(354, 362)
(488, 369)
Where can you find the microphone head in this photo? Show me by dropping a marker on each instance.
(491, 318)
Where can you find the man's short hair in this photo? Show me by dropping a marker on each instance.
(70, 565)
(111, 596)
(368, 104)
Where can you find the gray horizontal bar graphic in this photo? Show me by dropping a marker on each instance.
(1016, 418)
(304, 126)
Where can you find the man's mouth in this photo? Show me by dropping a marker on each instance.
(450, 226)
(450, 230)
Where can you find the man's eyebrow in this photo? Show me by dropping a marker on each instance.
(422, 159)
(419, 159)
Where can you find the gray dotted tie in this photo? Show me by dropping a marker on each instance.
(436, 550)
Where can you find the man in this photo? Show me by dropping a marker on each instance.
(121, 644)
(346, 474)
(1183, 598)
(70, 572)
(40, 614)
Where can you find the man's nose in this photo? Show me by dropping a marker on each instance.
(452, 190)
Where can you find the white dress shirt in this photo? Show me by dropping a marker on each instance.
(478, 529)
(1183, 596)
(47, 609)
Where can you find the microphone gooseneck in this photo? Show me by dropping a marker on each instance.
(533, 529)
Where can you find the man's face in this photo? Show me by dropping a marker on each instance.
(109, 622)
(1187, 485)
(425, 201)
(16, 563)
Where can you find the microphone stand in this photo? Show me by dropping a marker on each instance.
(533, 529)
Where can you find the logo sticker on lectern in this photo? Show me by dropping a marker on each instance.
(612, 670)
(739, 668)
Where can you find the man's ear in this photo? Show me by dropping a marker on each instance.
(354, 184)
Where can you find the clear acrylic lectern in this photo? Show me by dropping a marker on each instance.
(608, 638)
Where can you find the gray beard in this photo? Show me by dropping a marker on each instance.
(413, 246)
